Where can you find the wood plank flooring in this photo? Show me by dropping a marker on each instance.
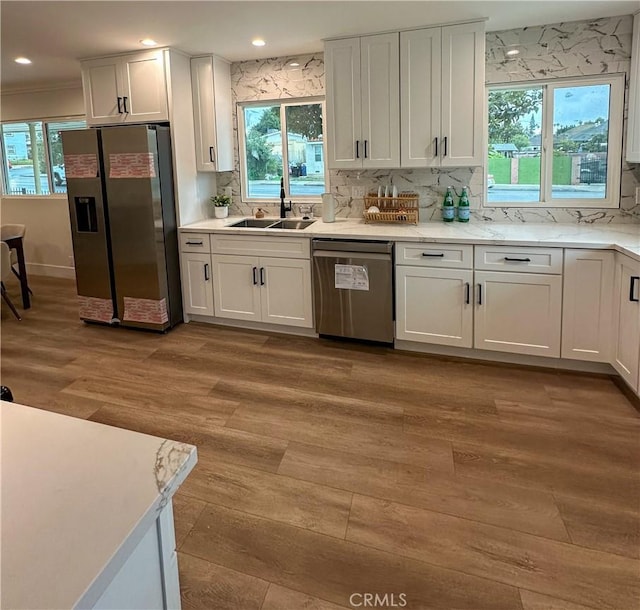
(328, 469)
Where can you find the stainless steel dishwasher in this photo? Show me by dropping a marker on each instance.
(353, 289)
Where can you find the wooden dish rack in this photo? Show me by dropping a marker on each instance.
(400, 209)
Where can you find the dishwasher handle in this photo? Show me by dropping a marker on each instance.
(351, 248)
(365, 256)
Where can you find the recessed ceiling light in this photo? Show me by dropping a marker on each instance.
(513, 52)
(22, 60)
(148, 42)
(295, 64)
(258, 42)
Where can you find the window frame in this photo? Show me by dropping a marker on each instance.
(242, 152)
(4, 178)
(616, 82)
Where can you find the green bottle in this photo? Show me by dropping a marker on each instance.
(463, 206)
(448, 208)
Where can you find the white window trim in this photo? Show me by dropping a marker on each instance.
(45, 122)
(283, 103)
(614, 143)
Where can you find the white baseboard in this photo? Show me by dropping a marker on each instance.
(51, 270)
(276, 328)
(481, 354)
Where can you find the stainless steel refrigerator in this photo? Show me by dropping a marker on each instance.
(123, 225)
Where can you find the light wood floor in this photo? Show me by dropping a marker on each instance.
(330, 469)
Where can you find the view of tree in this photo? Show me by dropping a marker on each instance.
(506, 111)
(304, 120)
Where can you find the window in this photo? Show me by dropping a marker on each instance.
(33, 165)
(279, 135)
(556, 143)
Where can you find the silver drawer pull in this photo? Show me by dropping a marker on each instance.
(441, 255)
(194, 243)
(517, 260)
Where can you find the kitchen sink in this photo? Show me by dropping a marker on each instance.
(292, 224)
(254, 223)
(270, 223)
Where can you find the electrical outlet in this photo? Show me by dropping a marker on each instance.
(638, 195)
(357, 192)
(227, 191)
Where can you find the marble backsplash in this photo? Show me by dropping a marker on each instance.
(551, 51)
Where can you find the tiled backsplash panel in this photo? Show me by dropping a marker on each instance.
(551, 51)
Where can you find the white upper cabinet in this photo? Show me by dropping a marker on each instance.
(213, 123)
(442, 93)
(125, 89)
(633, 123)
(363, 104)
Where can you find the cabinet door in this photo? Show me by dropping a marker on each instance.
(342, 88)
(144, 87)
(626, 355)
(462, 94)
(380, 80)
(518, 313)
(285, 292)
(420, 94)
(102, 97)
(198, 283)
(236, 292)
(434, 305)
(587, 305)
(211, 89)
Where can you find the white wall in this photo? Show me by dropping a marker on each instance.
(48, 247)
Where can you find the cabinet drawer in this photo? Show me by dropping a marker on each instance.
(285, 247)
(451, 256)
(194, 242)
(519, 259)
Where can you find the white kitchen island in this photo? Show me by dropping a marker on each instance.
(86, 513)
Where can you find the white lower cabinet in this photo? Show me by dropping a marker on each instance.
(518, 313)
(434, 305)
(441, 299)
(197, 282)
(626, 348)
(587, 306)
(263, 289)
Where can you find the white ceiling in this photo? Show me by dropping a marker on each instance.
(54, 35)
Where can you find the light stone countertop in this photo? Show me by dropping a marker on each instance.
(76, 495)
(624, 238)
